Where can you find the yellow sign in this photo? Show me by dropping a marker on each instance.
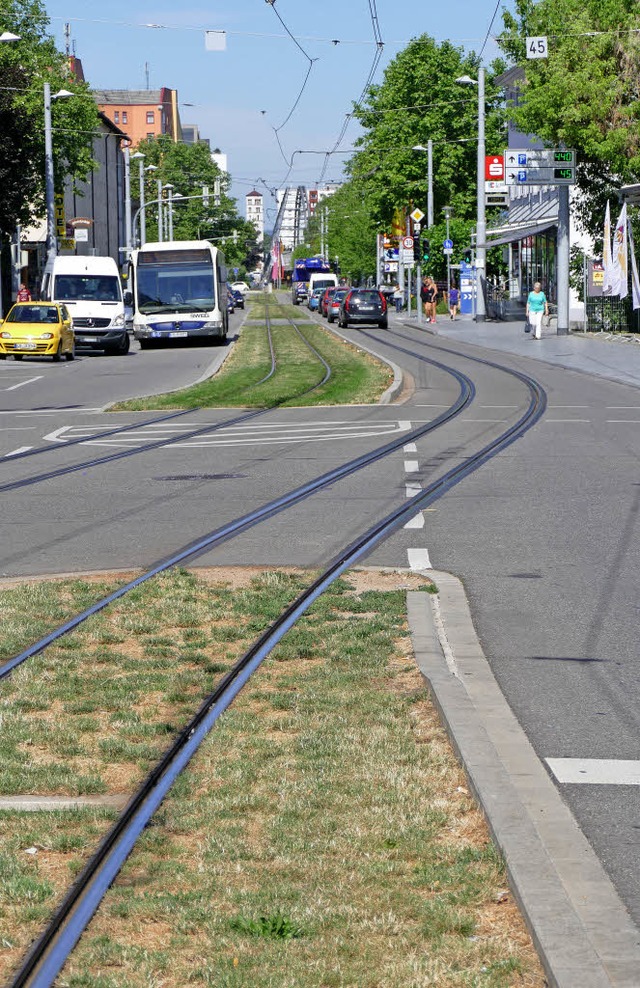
(58, 208)
(67, 243)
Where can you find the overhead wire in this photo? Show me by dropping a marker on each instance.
(377, 37)
(486, 37)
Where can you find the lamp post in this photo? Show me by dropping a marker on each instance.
(127, 201)
(481, 225)
(143, 218)
(429, 150)
(6, 36)
(160, 211)
(169, 190)
(447, 210)
(52, 243)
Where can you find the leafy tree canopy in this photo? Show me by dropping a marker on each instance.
(25, 66)
(190, 169)
(419, 100)
(585, 95)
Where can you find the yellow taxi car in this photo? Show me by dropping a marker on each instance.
(37, 328)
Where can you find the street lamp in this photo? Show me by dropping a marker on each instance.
(143, 217)
(429, 150)
(481, 225)
(52, 245)
(447, 210)
(169, 190)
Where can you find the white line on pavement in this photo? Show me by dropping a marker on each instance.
(410, 448)
(564, 420)
(411, 466)
(21, 384)
(419, 559)
(411, 489)
(416, 522)
(48, 411)
(596, 771)
(623, 421)
(20, 449)
(404, 426)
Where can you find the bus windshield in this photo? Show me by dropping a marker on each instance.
(175, 281)
(87, 288)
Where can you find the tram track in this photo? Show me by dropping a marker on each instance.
(158, 443)
(49, 953)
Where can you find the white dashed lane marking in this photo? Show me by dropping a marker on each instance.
(21, 384)
(595, 771)
(20, 449)
(411, 466)
(419, 559)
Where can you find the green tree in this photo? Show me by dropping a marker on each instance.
(25, 66)
(419, 100)
(190, 169)
(585, 95)
(351, 232)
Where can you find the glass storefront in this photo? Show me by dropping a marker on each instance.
(534, 259)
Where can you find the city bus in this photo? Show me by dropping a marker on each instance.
(178, 290)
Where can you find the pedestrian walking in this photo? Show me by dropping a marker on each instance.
(454, 300)
(398, 298)
(24, 295)
(537, 307)
(431, 297)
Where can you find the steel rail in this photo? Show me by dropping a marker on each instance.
(252, 518)
(49, 954)
(157, 443)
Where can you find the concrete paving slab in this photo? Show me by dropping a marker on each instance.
(39, 804)
(582, 931)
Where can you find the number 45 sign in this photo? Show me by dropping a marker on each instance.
(537, 47)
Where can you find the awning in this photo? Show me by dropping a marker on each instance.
(508, 234)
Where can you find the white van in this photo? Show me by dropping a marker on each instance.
(90, 288)
(323, 279)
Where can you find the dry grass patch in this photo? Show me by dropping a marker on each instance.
(324, 835)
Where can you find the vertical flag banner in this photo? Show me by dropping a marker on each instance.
(635, 283)
(619, 258)
(607, 279)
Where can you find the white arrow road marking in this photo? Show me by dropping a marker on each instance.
(55, 436)
(20, 449)
(595, 771)
(419, 559)
(21, 384)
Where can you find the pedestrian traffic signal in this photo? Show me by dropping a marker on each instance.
(468, 254)
(426, 250)
(417, 250)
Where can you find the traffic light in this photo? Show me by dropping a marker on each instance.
(417, 249)
(468, 255)
(426, 250)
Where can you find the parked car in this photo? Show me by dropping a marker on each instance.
(314, 299)
(231, 302)
(362, 305)
(238, 298)
(37, 329)
(324, 301)
(334, 303)
(240, 286)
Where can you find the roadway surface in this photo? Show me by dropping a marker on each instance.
(544, 537)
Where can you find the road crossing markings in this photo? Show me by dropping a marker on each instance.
(411, 466)
(412, 489)
(410, 448)
(20, 449)
(595, 771)
(21, 384)
(419, 559)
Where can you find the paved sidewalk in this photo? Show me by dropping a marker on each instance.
(614, 357)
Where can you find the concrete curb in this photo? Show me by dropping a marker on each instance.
(580, 927)
(395, 387)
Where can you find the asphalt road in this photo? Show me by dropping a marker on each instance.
(544, 537)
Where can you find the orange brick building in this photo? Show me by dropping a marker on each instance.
(142, 113)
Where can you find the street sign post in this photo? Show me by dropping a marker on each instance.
(540, 166)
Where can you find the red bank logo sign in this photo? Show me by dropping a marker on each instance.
(494, 168)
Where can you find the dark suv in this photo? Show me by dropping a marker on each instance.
(363, 305)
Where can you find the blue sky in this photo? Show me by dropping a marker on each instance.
(261, 69)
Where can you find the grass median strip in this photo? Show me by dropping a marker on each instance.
(356, 377)
(322, 836)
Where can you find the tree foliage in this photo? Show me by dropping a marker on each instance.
(190, 169)
(419, 100)
(25, 66)
(586, 94)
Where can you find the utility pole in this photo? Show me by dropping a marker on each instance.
(563, 260)
(429, 183)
